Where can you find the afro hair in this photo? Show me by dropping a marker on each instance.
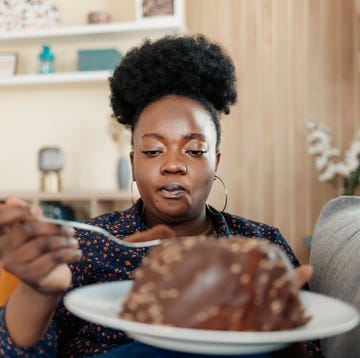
(190, 66)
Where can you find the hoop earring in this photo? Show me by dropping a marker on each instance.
(131, 191)
(226, 195)
(132, 197)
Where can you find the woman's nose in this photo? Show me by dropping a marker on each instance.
(173, 164)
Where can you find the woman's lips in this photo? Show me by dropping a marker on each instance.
(172, 191)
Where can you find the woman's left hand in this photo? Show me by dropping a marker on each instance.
(157, 232)
(303, 274)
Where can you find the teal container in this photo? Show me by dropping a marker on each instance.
(46, 60)
(98, 60)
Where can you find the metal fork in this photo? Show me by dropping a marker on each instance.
(88, 227)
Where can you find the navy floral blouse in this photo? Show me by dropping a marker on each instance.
(69, 336)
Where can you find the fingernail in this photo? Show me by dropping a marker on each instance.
(69, 231)
(35, 211)
(78, 254)
(72, 242)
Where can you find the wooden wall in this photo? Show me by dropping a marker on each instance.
(296, 60)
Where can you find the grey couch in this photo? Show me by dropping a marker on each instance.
(335, 255)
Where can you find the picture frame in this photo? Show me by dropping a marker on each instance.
(8, 64)
(166, 11)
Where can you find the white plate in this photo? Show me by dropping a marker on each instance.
(101, 304)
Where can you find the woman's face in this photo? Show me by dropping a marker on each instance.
(174, 158)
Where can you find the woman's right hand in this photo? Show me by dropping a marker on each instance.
(37, 253)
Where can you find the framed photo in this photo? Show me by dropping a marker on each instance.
(8, 64)
(159, 10)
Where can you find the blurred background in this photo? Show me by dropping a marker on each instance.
(296, 61)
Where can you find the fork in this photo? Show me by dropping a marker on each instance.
(88, 227)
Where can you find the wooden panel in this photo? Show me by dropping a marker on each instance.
(283, 182)
(298, 108)
(296, 61)
(266, 115)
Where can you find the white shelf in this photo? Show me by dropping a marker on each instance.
(94, 203)
(54, 78)
(66, 195)
(84, 30)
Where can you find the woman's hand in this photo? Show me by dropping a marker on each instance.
(37, 253)
(157, 232)
(303, 274)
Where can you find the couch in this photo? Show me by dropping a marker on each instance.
(335, 256)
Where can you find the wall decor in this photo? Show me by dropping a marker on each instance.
(50, 164)
(158, 10)
(122, 138)
(16, 15)
(8, 63)
(98, 17)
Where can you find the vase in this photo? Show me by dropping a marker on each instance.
(123, 173)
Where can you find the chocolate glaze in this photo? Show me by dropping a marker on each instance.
(237, 284)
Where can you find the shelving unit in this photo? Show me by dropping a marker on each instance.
(86, 204)
(55, 78)
(93, 29)
(78, 32)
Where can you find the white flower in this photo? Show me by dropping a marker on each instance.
(354, 149)
(342, 169)
(320, 136)
(329, 173)
(325, 156)
(312, 125)
(327, 161)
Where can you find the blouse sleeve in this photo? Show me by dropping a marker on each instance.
(279, 240)
(46, 347)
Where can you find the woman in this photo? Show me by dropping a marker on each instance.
(170, 93)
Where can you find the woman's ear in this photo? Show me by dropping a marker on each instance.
(131, 155)
(218, 156)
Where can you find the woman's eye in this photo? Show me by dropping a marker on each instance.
(152, 153)
(196, 153)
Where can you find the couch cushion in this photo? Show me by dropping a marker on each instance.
(335, 255)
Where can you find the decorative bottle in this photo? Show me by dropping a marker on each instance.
(46, 60)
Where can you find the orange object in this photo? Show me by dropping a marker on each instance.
(8, 283)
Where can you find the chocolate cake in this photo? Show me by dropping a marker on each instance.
(237, 284)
